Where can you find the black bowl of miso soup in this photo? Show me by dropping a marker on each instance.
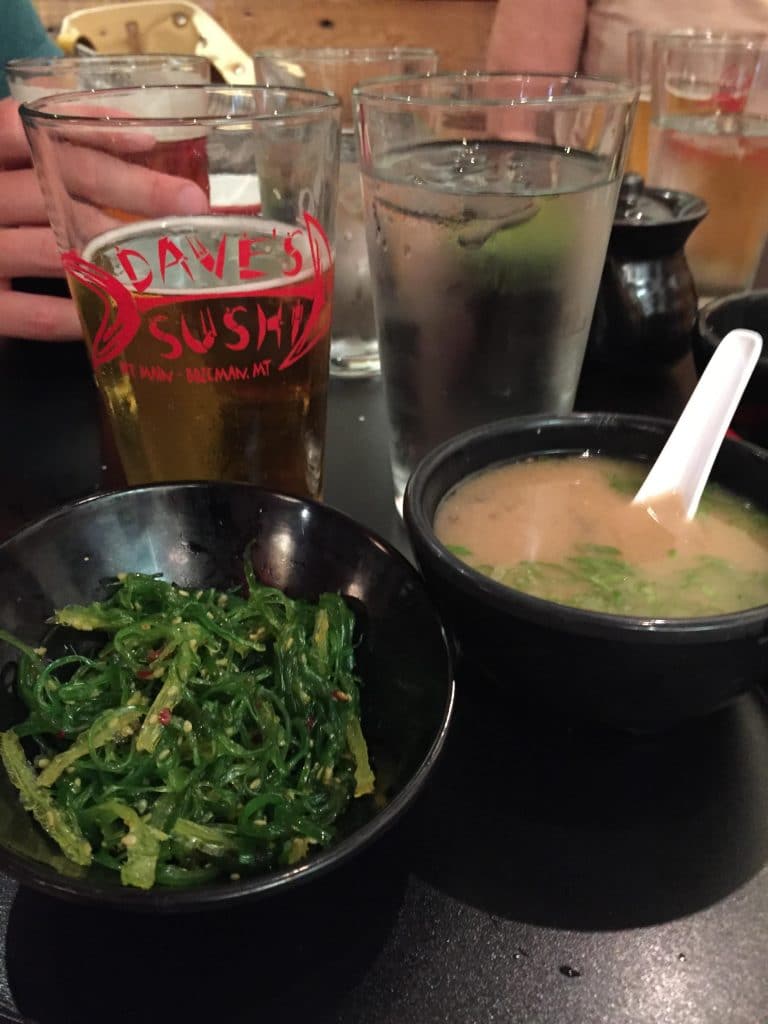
(560, 591)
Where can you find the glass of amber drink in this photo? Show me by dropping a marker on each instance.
(205, 298)
(639, 53)
(709, 136)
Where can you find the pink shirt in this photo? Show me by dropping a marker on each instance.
(605, 46)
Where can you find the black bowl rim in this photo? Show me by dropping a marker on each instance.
(705, 331)
(536, 609)
(225, 893)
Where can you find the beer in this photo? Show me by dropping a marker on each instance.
(637, 158)
(209, 339)
(723, 160)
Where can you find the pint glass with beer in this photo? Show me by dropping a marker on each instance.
(205, 298)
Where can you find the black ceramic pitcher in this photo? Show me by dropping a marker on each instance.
(646, 306)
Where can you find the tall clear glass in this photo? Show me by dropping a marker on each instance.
(32, 78)
(354, 347)
(489, 200)
(709, 136)
(207, 320)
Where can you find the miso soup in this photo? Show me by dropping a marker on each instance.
(564, 529)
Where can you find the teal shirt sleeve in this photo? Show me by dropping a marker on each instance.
(22, 35)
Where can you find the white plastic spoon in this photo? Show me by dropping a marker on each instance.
(685, 462)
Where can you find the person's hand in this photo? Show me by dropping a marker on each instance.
(27, 245)
(98, 184)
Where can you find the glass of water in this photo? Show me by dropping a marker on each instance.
(354, 346)
(489, 200)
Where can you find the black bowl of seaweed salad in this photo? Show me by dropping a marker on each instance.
(211, 692)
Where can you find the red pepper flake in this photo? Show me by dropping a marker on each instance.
(340, 695)
(144, 673)
(311, 722)
(61, 734)
(164, 716)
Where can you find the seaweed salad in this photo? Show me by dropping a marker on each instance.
(206, 733)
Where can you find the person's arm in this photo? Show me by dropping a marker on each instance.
(537, 35)
(22, 35)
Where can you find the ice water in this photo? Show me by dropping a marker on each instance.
(723, 160)
(485, 259)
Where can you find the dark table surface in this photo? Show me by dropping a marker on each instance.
(550, 874)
